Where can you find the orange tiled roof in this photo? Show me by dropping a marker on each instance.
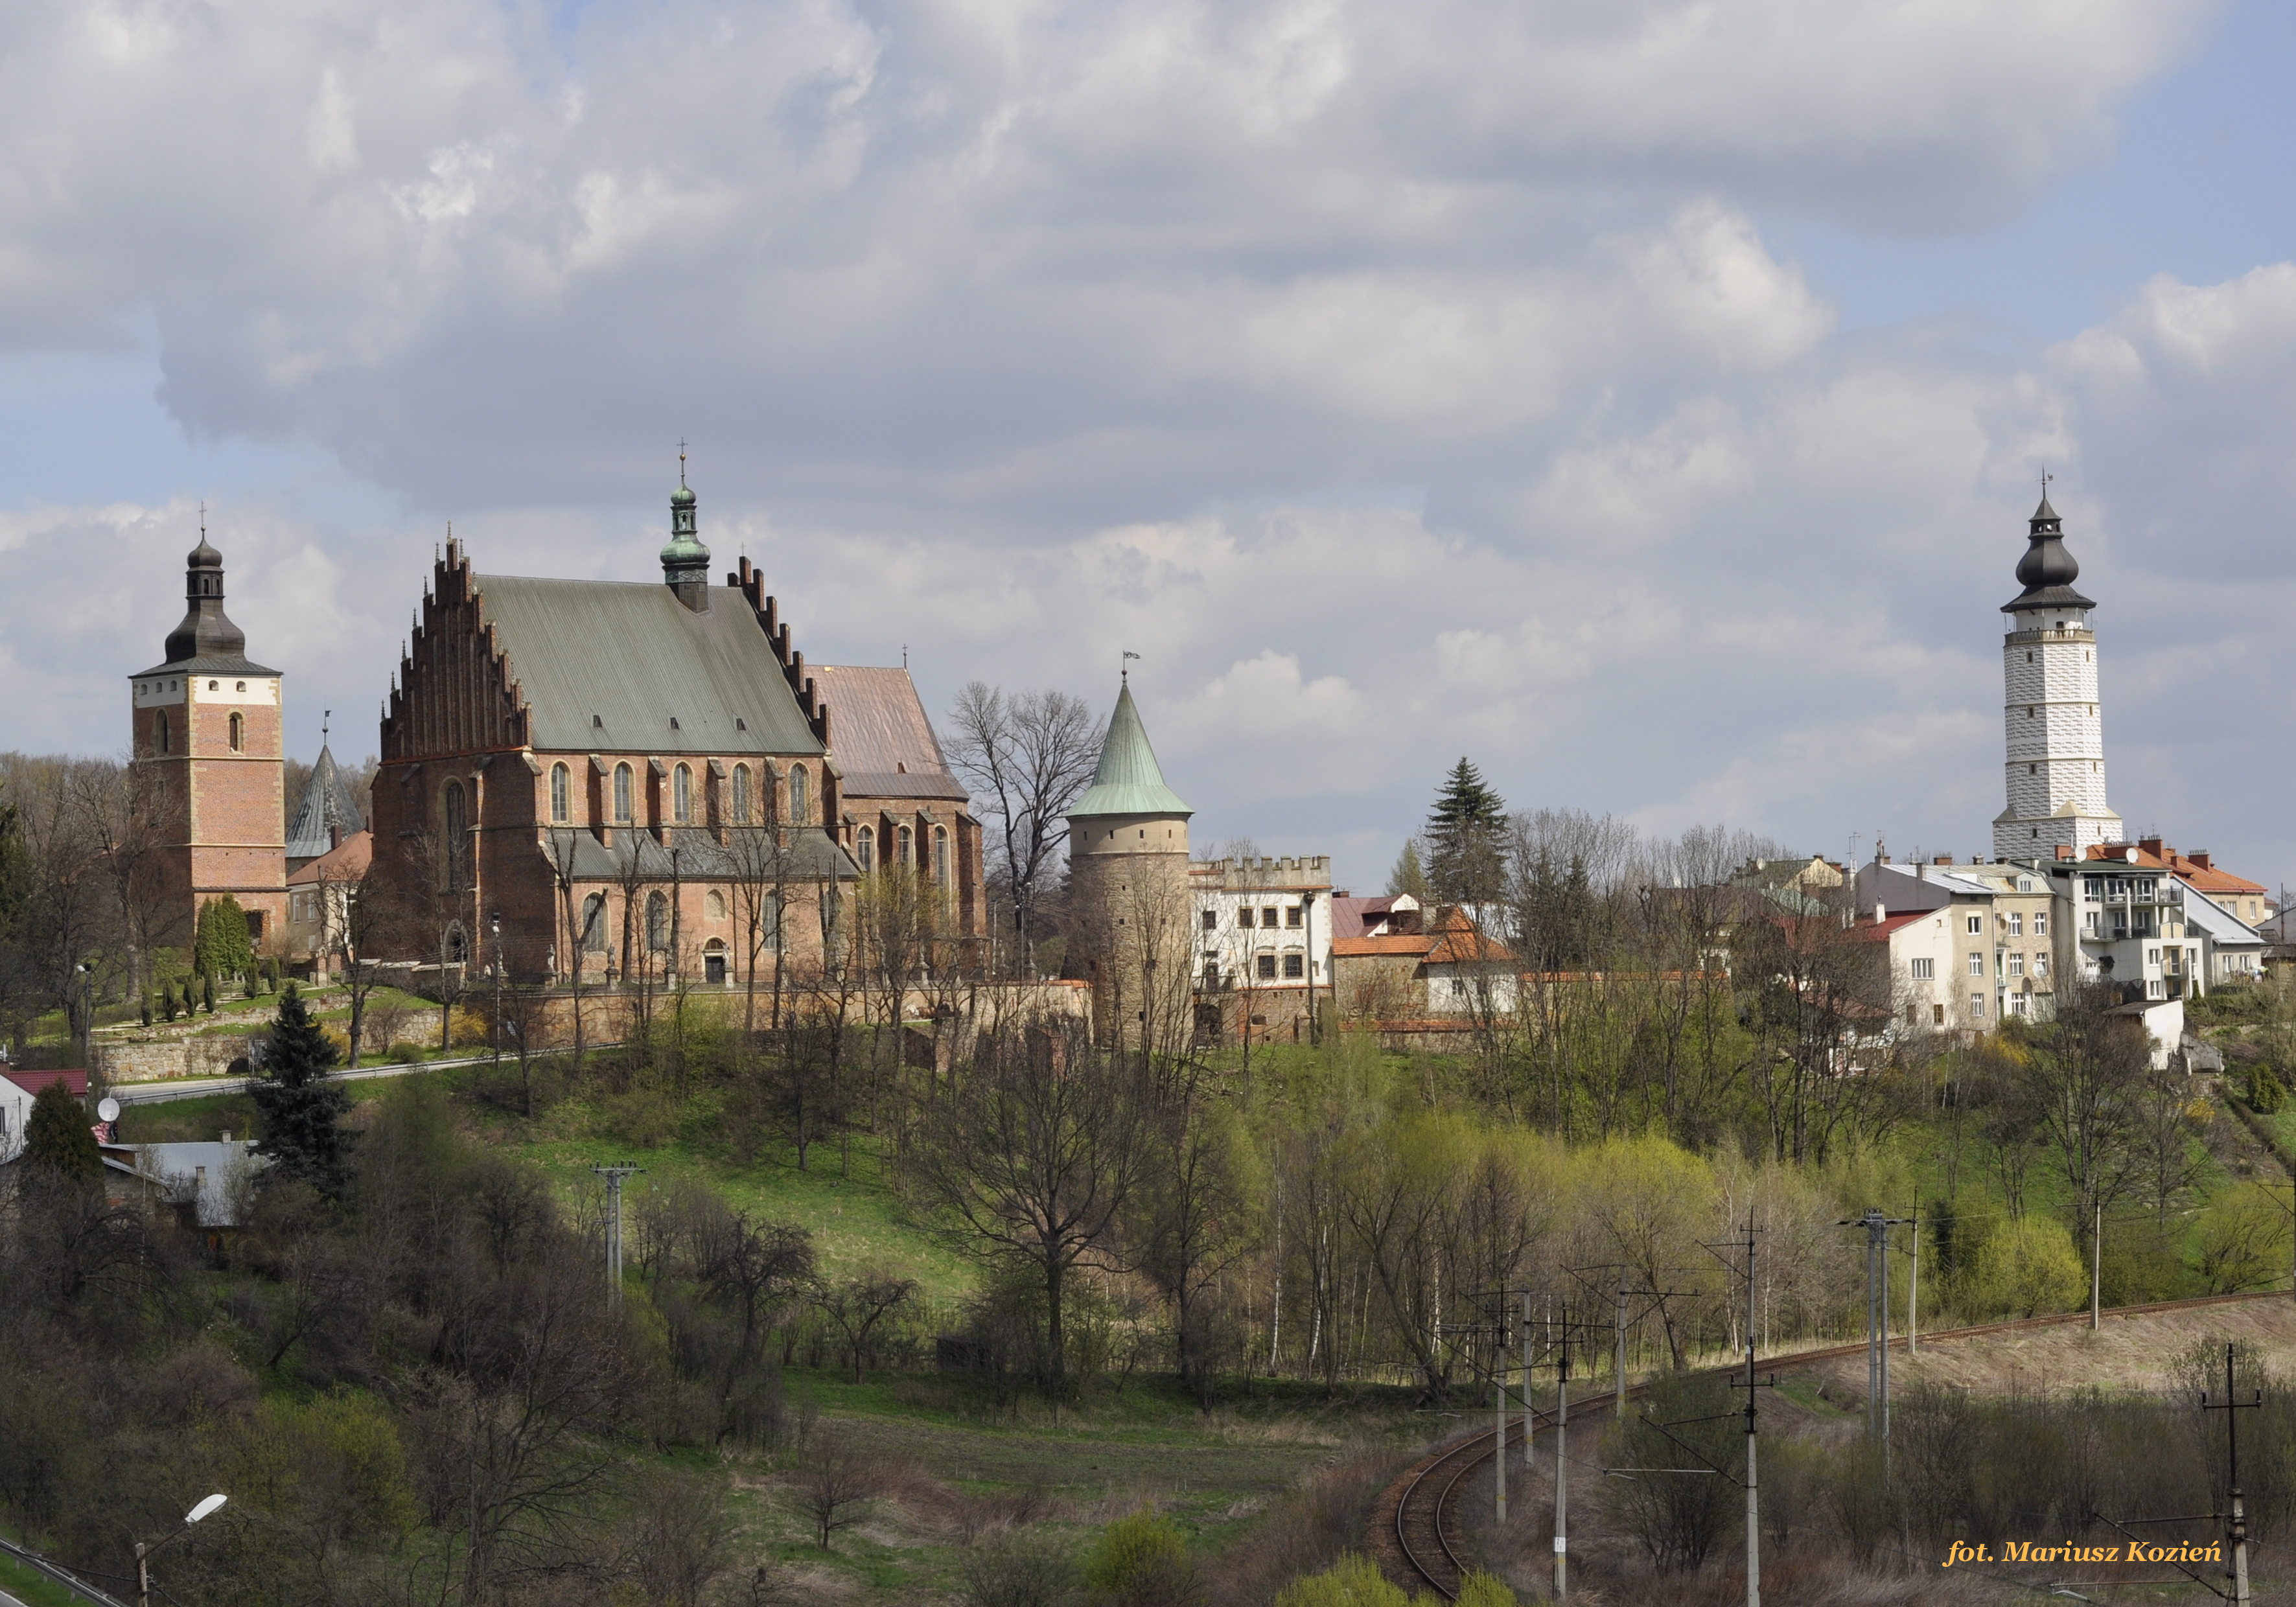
(2210, 878)
(1403, 943)
(346, 861)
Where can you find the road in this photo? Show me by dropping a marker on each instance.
(200, 1087)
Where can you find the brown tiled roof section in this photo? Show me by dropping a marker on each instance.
(347, 861)
(880, 738)
(1458, 943)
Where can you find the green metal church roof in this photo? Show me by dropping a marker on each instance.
(1128, 780)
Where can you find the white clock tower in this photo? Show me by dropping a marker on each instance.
(2055, 768)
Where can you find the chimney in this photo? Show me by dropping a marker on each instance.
(1942, 859)
(2201, 858)
(2065, 850)
(2153, 846)
(1881, 912)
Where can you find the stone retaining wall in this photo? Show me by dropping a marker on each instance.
(169, 1062)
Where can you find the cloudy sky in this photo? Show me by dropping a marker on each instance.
(1644, 398)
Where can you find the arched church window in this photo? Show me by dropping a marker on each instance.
(621, 795)
(741, 795)
(593, 924)
(940, 856)
(657, 922)
(800, 806)
(681, 794)
(864, 849)
(457, 832)
(160, 733)
(715, 905)
(909, 849)
(561, 805)
(238, 734)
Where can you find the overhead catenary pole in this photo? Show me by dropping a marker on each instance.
(1753, 1505)
(1619, 1380)
(1530, 1457)
(1561, 1459)
(1913, 1300)
(2096, 1269)
(1498, 1408)
(1877, 1228)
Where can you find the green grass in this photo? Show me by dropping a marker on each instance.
(32, 1589)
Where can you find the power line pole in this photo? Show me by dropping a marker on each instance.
(613, 1174)
(2096, 1269)
(2237, 1533)
(1562, 1458)
(1877, 1228)
(1618, 1385)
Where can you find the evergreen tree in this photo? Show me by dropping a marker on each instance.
(1466, 848)
(207, 992)
(302, 1106)
(1409, 876)
(57, 1137)
(220, 944)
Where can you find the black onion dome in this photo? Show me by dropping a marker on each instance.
(203, 556)
(2047, 571)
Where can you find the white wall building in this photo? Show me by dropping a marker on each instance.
(2055, 768)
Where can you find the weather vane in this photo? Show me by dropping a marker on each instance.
(1124, 668)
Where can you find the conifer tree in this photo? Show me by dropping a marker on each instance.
(57, 1137)
(220, 944)
(302, 1106)
(207, 992)
(1467, 850)
(1409, 876)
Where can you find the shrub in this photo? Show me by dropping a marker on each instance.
(404, 1054)
(1350, 1582)
(2027, 1266)
(1026, 1571)
(1143, 1558)
(1479, 1589)
(2265, 1093)
(469, 1030)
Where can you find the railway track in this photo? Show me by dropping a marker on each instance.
(1411, 1523)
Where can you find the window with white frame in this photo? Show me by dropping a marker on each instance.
(1976, 1004)
(2016, 965)
(2040, 924)
(1925, 969)
(1976, 926)
(2016, 924)
(1976, 965)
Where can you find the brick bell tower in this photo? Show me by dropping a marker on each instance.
(208, 749)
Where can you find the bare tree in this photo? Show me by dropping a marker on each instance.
(2083, 1085)
(1037, 1157)
(836, 1481)
(1026, 756)
(577, 930)
(858, 1305)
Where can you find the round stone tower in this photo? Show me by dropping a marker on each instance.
(2055, 763)
(1128, 887)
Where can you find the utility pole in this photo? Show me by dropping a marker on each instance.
(1753, 1505)
(1913, 1300)
(1499, 1409)
(613, 1174)
(2096, 1269)
(1561, 1459)
(2238, 1532)
(1529, 1422)
(1618, 1385)
(1877, 1228)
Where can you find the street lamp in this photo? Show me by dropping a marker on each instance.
(493, 923)
(86, 1010)
(144, 1552)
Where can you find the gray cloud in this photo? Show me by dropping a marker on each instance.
(1402, 382)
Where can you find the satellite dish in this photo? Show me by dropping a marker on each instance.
(108, 1108)
(203, 1509)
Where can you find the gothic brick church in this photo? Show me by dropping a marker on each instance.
(633, 773)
